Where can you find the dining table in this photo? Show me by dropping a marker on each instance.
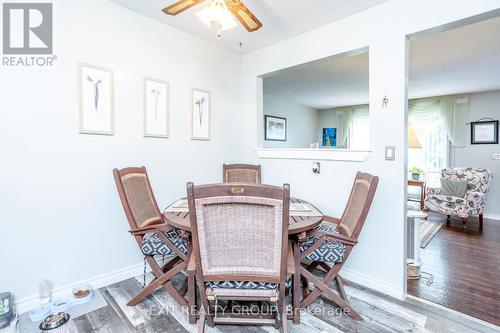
(304, 216)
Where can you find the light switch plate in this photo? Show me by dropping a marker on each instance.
(495, 156)
(390, 153)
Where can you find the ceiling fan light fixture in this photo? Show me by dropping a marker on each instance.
(217, 14)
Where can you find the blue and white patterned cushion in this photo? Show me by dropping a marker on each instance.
(331, 251)
(154, 245)
(247, 284)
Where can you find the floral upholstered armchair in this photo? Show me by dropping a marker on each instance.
(471, 204)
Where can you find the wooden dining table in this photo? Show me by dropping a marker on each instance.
(300, 222)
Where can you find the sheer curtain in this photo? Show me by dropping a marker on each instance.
(436, 125)
(353, 127)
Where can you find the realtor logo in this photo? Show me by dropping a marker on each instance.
(27, 28)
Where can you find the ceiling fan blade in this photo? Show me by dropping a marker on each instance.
(244, 15)
(180, 6)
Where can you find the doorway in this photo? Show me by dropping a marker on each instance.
(453, 224)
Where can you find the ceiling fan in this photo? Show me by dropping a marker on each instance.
(219, 13)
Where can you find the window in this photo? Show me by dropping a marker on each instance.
(359, 133)
(434, 122)
(433, 156)
(353, 124)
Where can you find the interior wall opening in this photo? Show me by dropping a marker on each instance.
(318, 105)
(453, 227)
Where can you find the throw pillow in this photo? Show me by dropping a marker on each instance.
(454, 188)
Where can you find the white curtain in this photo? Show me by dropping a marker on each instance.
(353, 127)
(444, 109)
(344, 118)
(438, 122)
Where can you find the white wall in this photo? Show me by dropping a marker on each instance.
(60, 214)
(328, 118)
(58, 198)
(301, 121)
(378, 260)
(482, 105)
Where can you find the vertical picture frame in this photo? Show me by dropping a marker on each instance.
(96, 98)
(156, 108)
(200, 114)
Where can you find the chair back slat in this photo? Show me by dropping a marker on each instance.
(240, 231)
(358, 205)
(242, 173)
(137, 197)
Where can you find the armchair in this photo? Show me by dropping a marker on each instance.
(472, 203)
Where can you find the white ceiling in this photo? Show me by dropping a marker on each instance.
(281, 19)
(466, 59)
(336, 81)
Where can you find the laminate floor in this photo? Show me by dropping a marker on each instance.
(465, 264)
(382, 314)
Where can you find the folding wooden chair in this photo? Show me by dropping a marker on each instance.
(240, 249)
(241, 173)
(152, 234)
(329, 245)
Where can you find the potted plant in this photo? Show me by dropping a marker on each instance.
(415, 173)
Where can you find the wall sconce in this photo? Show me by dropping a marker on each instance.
(385, 101)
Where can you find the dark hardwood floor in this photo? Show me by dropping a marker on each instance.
(465, 264)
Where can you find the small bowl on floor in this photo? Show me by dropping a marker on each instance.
(82, 291)
(54, 321)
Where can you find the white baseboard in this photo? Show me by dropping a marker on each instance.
(492, 216)
(32, 302)
(371, 283)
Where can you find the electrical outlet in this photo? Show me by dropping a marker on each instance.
(495, 156)
(316, 168)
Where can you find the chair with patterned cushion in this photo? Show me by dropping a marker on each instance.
(240, 250)
(478, 181)
(241, 173)
(329, 245)
(152, 234)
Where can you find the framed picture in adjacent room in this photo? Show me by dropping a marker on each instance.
(275, 128)
(96, 100)
(329, 138)
(484, 132)
(200, 114)
(156, 100)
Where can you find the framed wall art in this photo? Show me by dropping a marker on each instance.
(200, 114)
(329, 138)
(156, 110)
(96, 100)
(484, 132)
(275, 128)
